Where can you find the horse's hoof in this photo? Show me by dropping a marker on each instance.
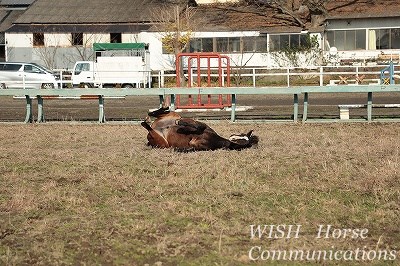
(145, 125)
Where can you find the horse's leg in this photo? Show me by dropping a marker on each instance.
(190, 126)
(154, 137)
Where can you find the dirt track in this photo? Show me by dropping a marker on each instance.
(135, 108)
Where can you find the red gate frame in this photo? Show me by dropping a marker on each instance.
(221, 104)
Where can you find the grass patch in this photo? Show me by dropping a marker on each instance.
(95, 194)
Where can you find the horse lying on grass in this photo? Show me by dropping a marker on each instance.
(170, 130)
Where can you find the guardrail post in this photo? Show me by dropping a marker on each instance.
(254, 77)
(40, 109)
(161, 97)
(233, 108)
(295, 107)
(369, 107)
(288, 76)
(28, 116)
(172, 104)
(102, 117)
(305, 107)
(321, 76)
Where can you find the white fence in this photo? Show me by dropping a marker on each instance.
(255, 77)
(320, 75)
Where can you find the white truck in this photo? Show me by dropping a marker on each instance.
(114, 69)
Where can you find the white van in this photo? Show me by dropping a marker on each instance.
(26, 75)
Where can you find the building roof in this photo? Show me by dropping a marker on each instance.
(241, 18)
(7, 17)
(116, 16)
(344, 9)
(138, 15)
(90, 11)
(267, 19)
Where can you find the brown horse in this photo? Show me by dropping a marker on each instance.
(169, 129)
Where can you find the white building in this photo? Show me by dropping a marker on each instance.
(58, 33)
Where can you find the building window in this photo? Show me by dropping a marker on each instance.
(222, 45)
(228, 45)
(384, 39)
(250, 44)
(234, 45)
(38, 39)
(346, 40)
(201, 45)
(254, 44)
(195, 45)
(207, 45)
(395, 38)
(2, 46)
(77, 38)
(285, 41)
(115, 38)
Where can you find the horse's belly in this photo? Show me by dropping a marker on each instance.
(178, 141)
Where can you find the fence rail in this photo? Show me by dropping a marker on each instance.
(101, 94)
(255, 75)
(317, 75)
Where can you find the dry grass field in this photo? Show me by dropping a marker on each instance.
(89, 194)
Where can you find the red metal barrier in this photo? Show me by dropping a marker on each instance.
(212, 101)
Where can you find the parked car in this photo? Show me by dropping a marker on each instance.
(26, 75)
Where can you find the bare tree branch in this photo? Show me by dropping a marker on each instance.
(301, 11)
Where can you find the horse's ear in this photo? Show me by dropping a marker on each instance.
(253, 139)
(165, 104)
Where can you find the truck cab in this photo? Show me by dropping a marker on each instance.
(83, 73)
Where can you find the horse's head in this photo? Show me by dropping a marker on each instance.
(244, 140)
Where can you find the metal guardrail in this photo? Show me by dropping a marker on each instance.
(101, 94)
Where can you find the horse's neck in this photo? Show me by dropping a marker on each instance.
(170, 115)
